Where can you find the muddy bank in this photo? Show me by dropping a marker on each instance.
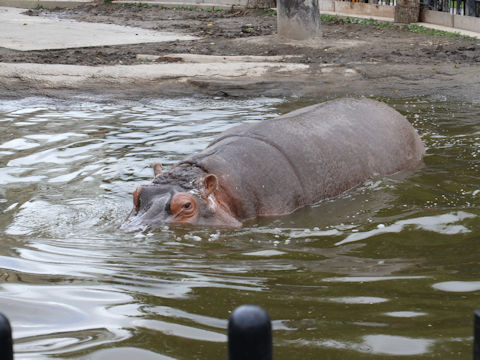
(228, 32)
(360, 59)
(396, 81)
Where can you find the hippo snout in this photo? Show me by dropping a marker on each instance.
(151, 209)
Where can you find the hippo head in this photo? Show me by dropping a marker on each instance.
(185, 195)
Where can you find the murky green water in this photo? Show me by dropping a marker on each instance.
(390, 270)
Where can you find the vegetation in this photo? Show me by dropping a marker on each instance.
(162, 7)
(136, 5)
(415, 28)
(418, 29)
(144, 5)
(265, 11)
(348, 20)
(371, 22)
(329, 18)
(270, 12)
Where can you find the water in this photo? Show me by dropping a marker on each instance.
(388, 270)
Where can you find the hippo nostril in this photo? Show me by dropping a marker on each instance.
(136, 197)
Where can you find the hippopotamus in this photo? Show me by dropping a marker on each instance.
(277, 166)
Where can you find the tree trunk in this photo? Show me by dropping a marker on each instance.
(298, 19)
(407, 11)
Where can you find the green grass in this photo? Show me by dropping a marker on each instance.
(216, 9)
(187, 8)
(182, 8)
(191, 8)
(143, 5)
(418, 29)
(371, 22)
(329, 18)
(176, 8)
(349, 20)
(270, 12)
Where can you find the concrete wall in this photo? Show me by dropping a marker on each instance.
(346, 7)
(469, 23)
(436, 17)
(326, 5)
(356, 8)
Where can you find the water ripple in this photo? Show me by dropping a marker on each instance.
(75, 286)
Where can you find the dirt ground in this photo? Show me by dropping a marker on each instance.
(383, 56)
(383, 44)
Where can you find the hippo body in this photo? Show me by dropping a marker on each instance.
(277, 166)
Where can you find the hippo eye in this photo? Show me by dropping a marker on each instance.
(183, 207)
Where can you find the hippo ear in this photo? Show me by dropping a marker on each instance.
(157, 169)
(136, 197)
(210, 183)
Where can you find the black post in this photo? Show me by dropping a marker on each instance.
(249, 334)
(470, 7)
(476, 335)
(6, 345)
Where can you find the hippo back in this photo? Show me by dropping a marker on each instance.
(276, 166)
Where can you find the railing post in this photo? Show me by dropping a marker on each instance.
(476, 335)
(6, 344)
(249, 334)
(470, 7)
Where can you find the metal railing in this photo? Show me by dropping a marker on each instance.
(249, 335)
(457, 7)
(378, 2)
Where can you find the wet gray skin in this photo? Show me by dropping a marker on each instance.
(153, 207)
(276, 167)
(153, 202)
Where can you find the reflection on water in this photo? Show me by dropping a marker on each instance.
(458, 286)
(382, 345)
(442, 224)
(388, 269)
(406, 314)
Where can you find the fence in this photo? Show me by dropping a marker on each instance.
(456, 7)
(249, 335)
(378, 2)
